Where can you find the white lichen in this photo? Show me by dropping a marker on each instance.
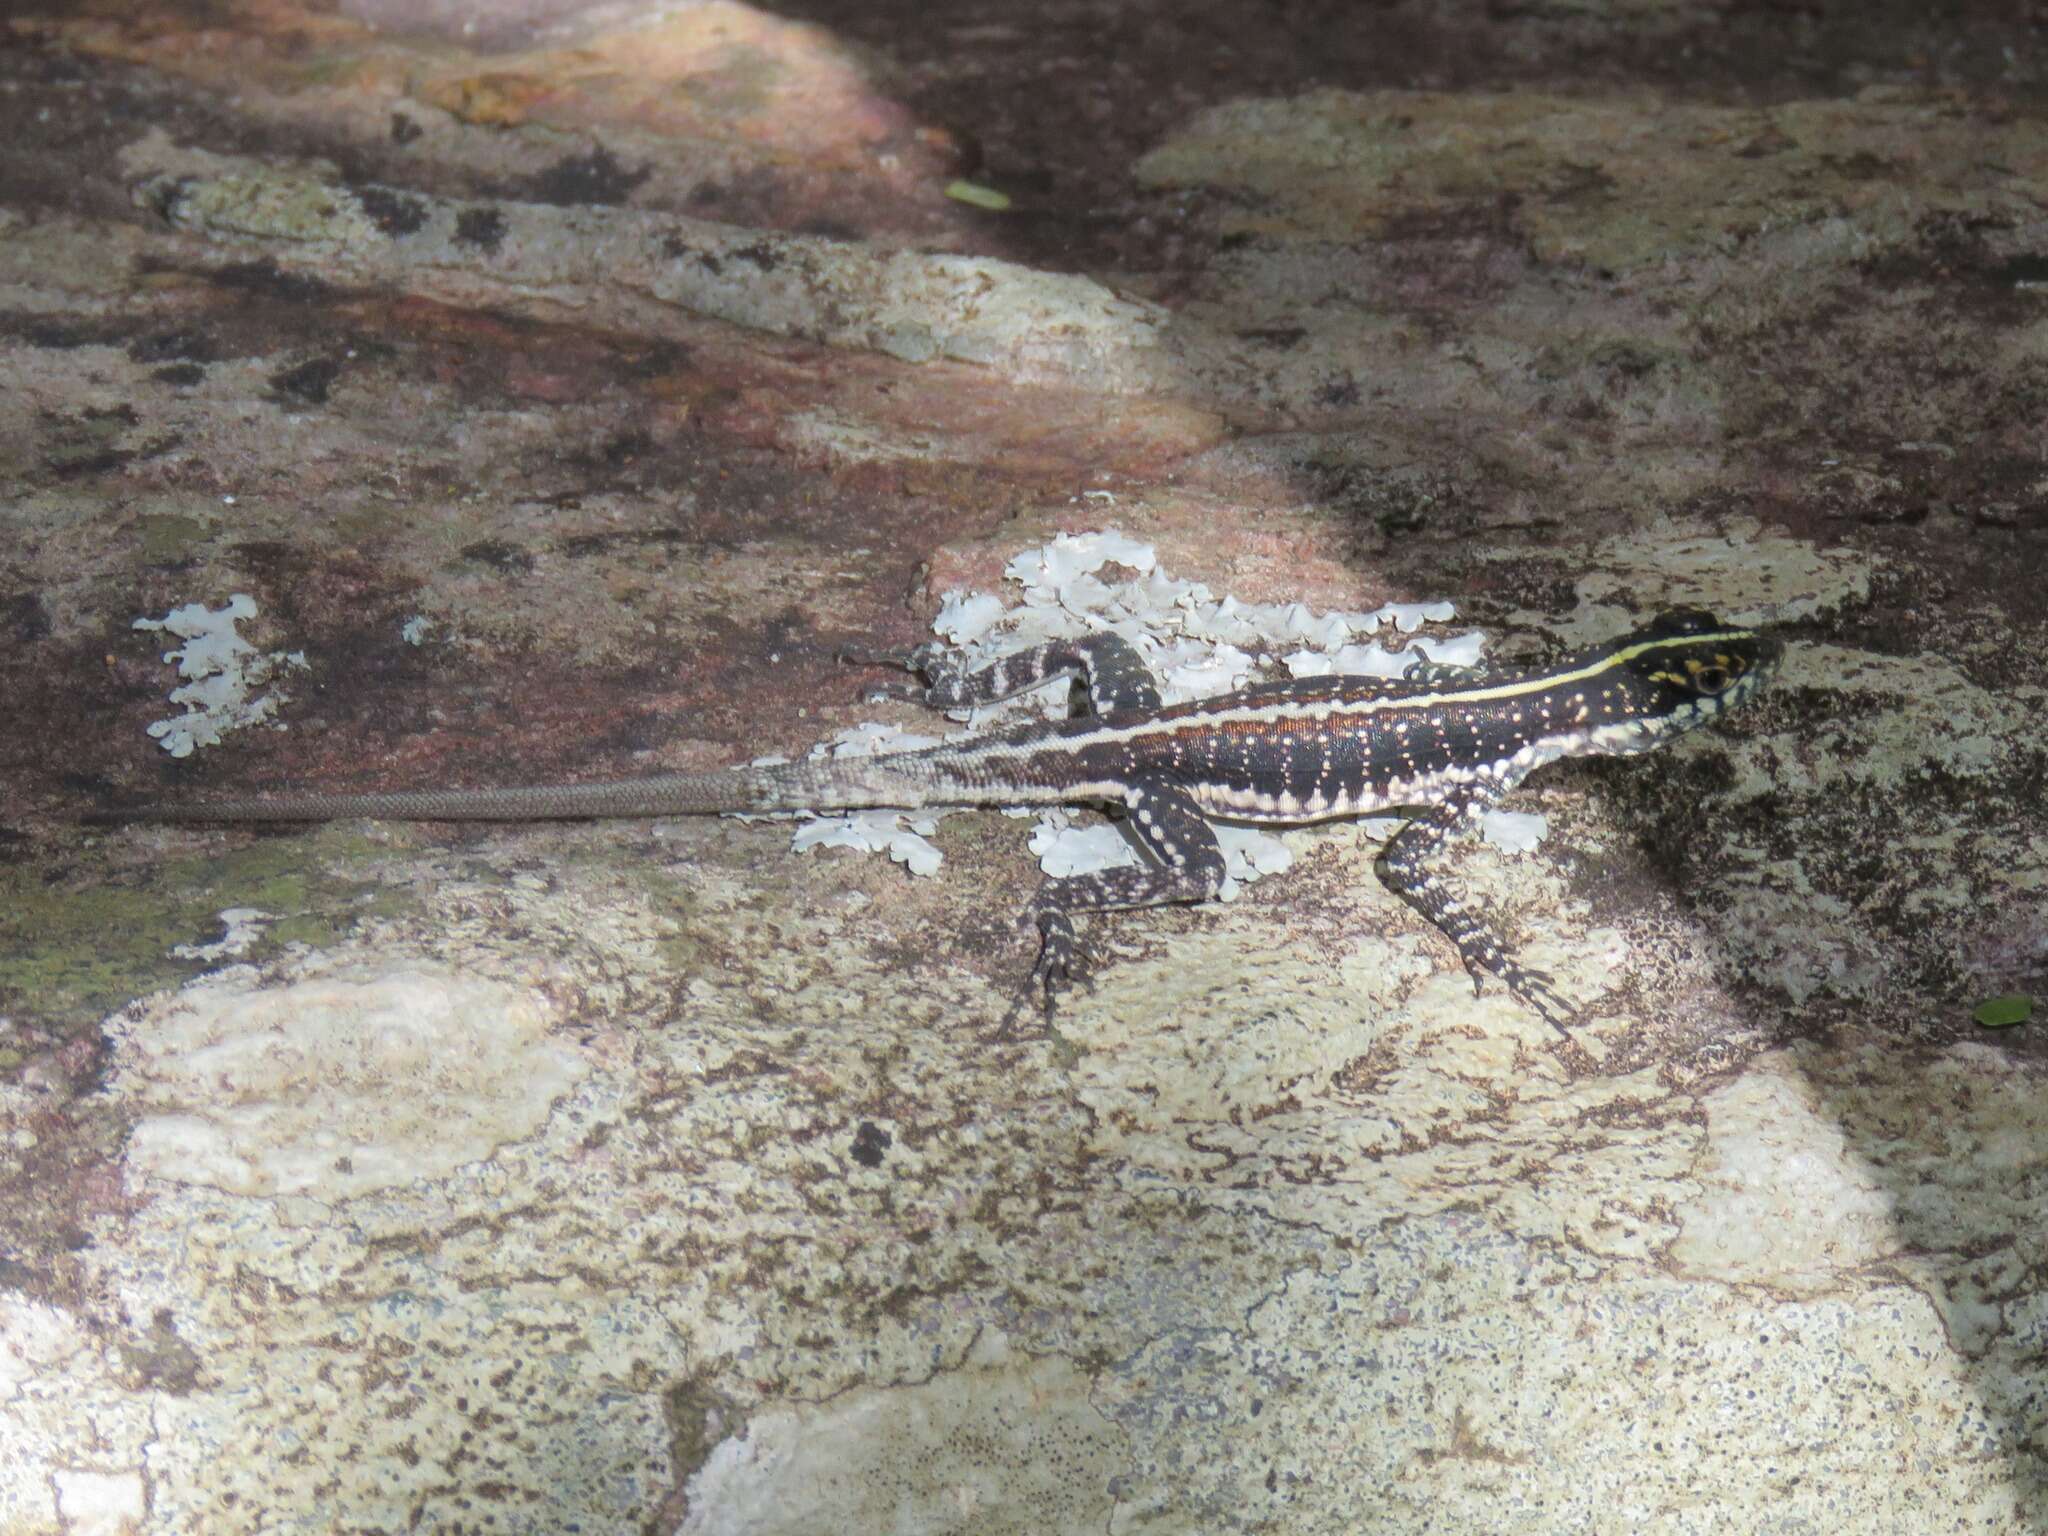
(242, 928)
(1197, 645)
(223, 674)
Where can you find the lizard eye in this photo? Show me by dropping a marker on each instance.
(1711, 679)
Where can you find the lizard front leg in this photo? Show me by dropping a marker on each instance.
(1404, 870)
(1171, 829)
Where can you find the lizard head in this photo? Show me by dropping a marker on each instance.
(1679, 671)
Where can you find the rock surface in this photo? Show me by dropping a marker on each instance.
(569, 384)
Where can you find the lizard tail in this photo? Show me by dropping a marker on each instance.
(831, 784)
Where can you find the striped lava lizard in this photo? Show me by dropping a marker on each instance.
(1444, 742)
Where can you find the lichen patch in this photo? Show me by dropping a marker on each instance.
(334, 1085)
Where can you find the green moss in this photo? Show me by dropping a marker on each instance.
(79, 947)
(366, 519)
(167, 539)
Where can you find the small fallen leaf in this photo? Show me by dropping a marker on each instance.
(2004, 1012)
(978, 195)
(491, 100)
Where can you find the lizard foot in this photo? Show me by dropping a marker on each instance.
(1055, 967)
(920, 660)
(1534, 989)
(1435, 674)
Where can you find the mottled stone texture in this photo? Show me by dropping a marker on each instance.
(569, 384)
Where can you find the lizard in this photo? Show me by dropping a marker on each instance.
(1440, 742)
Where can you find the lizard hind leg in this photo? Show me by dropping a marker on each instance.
(1437, 674)
(1107, 665)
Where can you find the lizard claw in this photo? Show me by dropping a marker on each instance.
(1056, 946)
(1535, 990)
(1039, 985)
(919, 661)
(909, 693)
(1053, 969)
(1006, 1027)
(861, 656)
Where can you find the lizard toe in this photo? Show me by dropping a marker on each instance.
(1535, 989)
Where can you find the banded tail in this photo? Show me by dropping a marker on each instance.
(901, 780)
